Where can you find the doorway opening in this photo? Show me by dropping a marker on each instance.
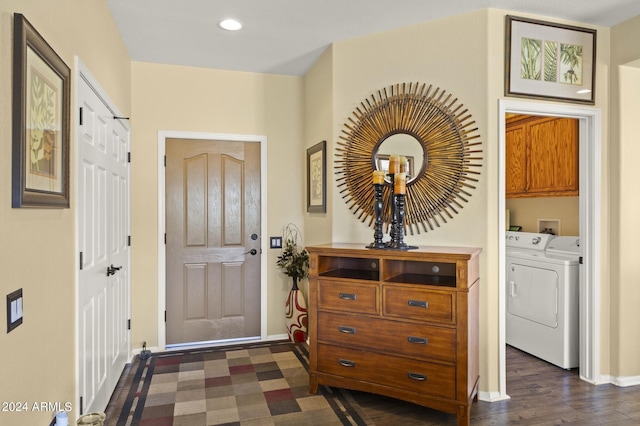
(162, 227)
(589, 230)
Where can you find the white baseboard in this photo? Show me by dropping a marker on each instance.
(625, 381)
(492, 396)
(277, 337)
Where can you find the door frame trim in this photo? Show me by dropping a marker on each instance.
(163, 135)
(590, 202)
(83, 74)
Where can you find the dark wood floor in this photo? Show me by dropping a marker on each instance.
(541, 394)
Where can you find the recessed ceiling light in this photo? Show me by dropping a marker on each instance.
(230, 24)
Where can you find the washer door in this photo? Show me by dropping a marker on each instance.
(532, 294)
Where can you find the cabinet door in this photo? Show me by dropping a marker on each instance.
(553, 156)
(516, 160)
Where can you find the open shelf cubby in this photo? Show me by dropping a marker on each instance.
(422, 272)
(349, 267)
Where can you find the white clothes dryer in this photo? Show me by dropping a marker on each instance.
(542, 296)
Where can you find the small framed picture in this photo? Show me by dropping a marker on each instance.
(549, 61)
(41, 99)
(317, 178)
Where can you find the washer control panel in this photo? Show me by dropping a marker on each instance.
(528, 240)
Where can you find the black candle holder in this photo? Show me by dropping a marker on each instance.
(396, 229)
(377, 210)
(394, 208)
(397, 243)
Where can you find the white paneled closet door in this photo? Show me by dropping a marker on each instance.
(103, 241)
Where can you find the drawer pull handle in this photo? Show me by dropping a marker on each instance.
(347, 330)
(417, 376)
(418, 340)
(347, 363)
(418, 303)
(347, 296)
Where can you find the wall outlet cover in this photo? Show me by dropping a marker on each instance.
(14, 309)
(275, 242)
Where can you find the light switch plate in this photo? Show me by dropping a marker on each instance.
(14, 309)
(276, 242)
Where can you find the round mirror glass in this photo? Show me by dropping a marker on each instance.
(404, 145)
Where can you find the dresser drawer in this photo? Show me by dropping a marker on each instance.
(348, 297)
(400, 373)
(419, 304)
(413, 340)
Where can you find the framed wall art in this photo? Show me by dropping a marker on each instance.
(41, 99)
(549, 61)
(317, 178)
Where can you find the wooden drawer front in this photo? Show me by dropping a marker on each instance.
(394, 337)
(423, 305)
(350, 297)
(400, 373)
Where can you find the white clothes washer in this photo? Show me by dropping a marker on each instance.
(542, 296)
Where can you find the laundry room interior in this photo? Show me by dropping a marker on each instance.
(542, 202)
(542, 174)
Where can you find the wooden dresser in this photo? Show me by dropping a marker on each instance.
(398, 323)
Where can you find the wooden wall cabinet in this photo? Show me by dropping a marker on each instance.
(542, 157)
(398, 323)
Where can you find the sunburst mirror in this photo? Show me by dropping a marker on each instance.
(433, 131)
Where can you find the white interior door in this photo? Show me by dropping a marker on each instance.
(103, 244)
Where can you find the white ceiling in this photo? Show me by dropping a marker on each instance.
(287, 36)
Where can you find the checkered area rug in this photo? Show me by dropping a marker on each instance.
(252, 384)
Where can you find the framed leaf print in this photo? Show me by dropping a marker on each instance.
(41, 98)
(549, 61)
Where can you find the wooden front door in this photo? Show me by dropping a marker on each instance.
(213, 243)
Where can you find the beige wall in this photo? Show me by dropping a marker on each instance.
(318, 126)
(526, 212)
(184, 99)
(415, 54)
(38, 359)
(625, 221)
(418, 54)
(470, 66)
(38, 250)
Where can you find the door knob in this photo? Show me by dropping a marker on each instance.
(252, 252)
(112, 269)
